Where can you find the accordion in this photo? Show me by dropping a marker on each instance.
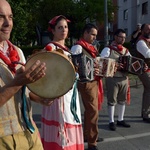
(106, 66)
(132, 64)
(84, 66)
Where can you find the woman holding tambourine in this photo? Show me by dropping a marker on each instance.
(61, 121)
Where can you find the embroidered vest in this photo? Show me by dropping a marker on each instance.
(115, 55)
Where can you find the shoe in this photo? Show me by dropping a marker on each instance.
(147, 120)
(112, 126)
(98, 140)
(93, 148)
(123, 124)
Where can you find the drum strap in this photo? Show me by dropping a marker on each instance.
(24, 111)
(60, 46)
(73, 106)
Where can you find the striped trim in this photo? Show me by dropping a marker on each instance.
(54, 146)
(52, 136)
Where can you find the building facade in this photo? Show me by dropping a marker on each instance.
(132, 12)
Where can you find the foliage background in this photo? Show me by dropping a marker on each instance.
(28, 14)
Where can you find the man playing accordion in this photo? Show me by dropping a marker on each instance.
(117, 86)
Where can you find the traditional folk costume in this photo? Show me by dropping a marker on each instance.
(91, 93)
(118, 85)
(61, 128)
(17, 129)
(143, 48)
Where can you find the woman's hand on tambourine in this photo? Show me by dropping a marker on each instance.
(25, 76)
(41, 100)
(46, 102)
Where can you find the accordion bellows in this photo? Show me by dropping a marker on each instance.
(86, 64)
(132, 64)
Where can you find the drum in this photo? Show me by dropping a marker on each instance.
(59, 78)
(133, 65)
(106, 66)
(6, 74)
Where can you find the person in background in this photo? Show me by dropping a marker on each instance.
(116, 86)
(91, 91)
(61, 128)
(143, 49)
(134, 37)
(17, 130)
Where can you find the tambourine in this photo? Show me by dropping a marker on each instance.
(6, 74)
(59, 78)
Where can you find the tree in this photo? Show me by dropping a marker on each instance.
(27, 14)
(24, 21)
(78, 11)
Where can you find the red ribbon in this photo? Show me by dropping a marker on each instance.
(93, 52)
(12, 58)
(88, 47)
(100, 92)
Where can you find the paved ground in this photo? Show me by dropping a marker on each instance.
(135, 138)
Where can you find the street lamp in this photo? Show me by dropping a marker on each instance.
(106, 40)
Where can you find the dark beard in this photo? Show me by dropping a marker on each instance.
(147, 36)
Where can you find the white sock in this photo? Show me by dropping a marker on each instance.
(121, 110)
(111, 111)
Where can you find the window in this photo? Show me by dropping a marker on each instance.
(125, 14)
(126, 30)
(145, 8)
